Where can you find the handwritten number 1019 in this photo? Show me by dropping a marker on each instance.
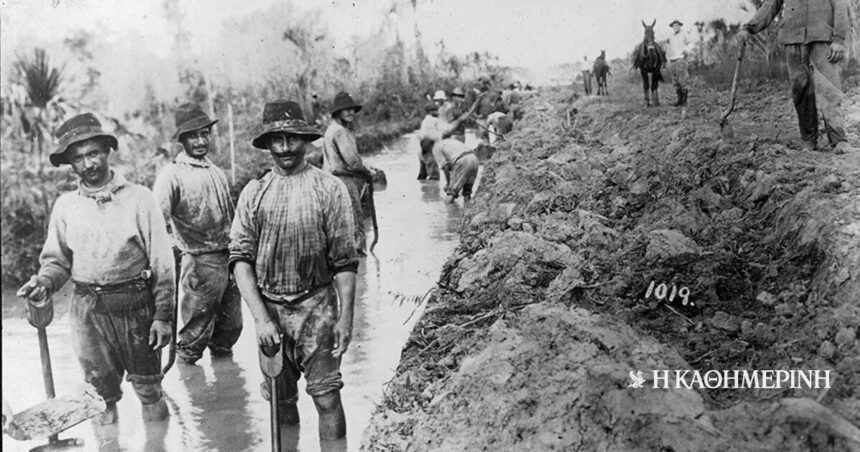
(661, 292)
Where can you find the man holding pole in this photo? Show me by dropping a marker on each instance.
(109, 237)
(294, 259)
(340, 157)
(813, 33)
(195, 199)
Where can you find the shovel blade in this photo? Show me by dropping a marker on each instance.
(56, 415)
(272, 360)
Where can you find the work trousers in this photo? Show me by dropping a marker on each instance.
(679, 71)
(110, 335)
(816, 86)
(210, 306)
(356, 186)
(308, 328)
(462, 174)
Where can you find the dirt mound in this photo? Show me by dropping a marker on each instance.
(705, 253)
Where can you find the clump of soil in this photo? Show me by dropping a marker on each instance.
(592, 209)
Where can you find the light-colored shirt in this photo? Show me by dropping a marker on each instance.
(195, 199)
(107, 236)
(432, 128)
(295, 229)
(804, 21)
(447, 151)
(677, 45)
(340, 152)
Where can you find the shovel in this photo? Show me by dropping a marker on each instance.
(725, 126)
(272, 365)
(56, 414)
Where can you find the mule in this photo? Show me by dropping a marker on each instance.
(649, 58)
(601, 71)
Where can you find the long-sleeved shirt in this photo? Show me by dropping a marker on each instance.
(432, 128)
(340, 152)
(110, 235)
(295, 229)
(195, 199)
(676, 45)
(804, 21)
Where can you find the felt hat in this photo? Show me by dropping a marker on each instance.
(78, 128)
(190, 117)
(342, 101)
(676, 21)
(439, 95)
(458, 92)
(283, 116)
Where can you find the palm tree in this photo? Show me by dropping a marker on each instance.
(38, 105)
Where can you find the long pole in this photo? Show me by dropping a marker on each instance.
(232, 147)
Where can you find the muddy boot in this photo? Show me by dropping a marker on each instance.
(109, 416)
(155, 411)
(647, 99)
(655, 95)
(685, 96)
(843, 147)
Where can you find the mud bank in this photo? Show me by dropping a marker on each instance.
(547, 305)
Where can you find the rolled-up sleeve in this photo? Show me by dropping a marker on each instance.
(245, 231)
(55, 261)
(764, 16)
(161, 260)
(342, 256)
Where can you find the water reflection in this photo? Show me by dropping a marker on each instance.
(218, 402)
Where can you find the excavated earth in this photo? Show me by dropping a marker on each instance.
(544, 310)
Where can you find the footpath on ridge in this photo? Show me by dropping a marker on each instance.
(547, 305)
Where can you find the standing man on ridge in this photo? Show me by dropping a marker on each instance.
(813, 33)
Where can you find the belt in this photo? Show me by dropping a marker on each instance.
(136, 284)
(462, 155)
(298, 297)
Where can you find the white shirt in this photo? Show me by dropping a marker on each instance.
(676, 45)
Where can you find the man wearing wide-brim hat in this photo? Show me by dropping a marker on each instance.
(341, 158)
(678, 46)
(293, 254)
(109, 237)
(195, 199)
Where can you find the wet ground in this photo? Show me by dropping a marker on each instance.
(216, 405)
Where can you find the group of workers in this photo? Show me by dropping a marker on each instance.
(442, 136)
(290, 248)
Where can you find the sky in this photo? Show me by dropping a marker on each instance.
(535, 34)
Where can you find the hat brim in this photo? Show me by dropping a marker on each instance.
(260, 141)
(676, 22)
(62, 157)
(357, 108)
(192, 126)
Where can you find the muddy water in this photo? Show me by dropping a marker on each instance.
(216, 405)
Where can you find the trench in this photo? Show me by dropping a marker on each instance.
(216, 405)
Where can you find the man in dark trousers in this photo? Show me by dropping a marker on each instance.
(813, 33)
(109, 237)
(195, 199)
(293, 254)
